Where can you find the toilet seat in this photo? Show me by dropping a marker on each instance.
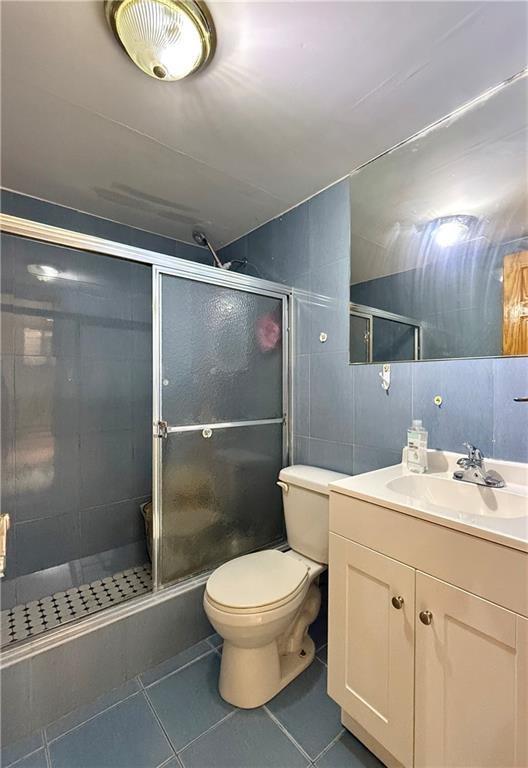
(258, 582)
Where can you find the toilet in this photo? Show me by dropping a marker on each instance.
(263, 603)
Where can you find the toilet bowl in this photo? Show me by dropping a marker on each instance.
(262, 604)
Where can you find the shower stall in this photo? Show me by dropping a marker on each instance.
(131, 381)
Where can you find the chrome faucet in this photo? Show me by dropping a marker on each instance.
(473, 470)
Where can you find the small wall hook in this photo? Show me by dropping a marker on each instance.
(385, 375)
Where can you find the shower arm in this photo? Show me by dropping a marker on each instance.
(216, 259)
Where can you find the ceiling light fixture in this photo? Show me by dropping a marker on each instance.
(167, 39)
(450, 230)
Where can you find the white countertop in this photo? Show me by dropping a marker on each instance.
(496, 514)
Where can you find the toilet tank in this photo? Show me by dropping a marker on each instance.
(305, 497)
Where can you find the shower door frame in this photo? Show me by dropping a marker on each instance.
(67, 238)
(251, 285)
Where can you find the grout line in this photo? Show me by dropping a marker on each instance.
(175, 671)
(156, 717)
(142, 689)
(47, 754)
(89, 719)
(19, 759)
(211, 728)
(168, 761)
(209, 642)
(287, 733)
(319, 658)
(329, 746)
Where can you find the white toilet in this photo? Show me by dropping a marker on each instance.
(262, 604)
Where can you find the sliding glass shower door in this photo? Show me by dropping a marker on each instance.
(220, 408)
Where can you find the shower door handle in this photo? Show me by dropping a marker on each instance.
(162, 430)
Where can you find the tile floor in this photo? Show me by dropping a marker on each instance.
(172, 716)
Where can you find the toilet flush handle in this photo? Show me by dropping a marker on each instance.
(282, 485)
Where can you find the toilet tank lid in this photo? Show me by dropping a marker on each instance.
(312, 478)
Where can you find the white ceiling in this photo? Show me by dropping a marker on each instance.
(298, 94)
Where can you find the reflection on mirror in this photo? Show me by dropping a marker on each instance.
(439, 244)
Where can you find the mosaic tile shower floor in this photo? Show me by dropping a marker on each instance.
(33, 618)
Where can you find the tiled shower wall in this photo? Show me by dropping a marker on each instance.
(76, 401)
(343, 420)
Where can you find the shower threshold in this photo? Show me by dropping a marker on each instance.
(36, 617)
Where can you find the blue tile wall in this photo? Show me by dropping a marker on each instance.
(343, 420)
(76, 394)
(31, 208)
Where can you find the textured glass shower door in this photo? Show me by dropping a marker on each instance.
(220, 407)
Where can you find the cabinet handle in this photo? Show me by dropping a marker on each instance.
(426, 617)
(397, 602)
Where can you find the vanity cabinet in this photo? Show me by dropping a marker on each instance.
(371, 659)
(471, 680)
(426, 672)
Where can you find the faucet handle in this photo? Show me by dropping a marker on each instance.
(475, 455)
(478, 456)
(465, 461)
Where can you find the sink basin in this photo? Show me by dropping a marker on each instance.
(462, 498)
(499, 514)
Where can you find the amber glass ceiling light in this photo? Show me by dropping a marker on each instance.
(167, 39)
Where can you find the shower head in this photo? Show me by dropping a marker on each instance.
(201, 239)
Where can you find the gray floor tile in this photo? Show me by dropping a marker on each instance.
(36, 760)
(19, 749)
(348, 752)
(82, 714)
(322, 654)
(215, 640)
(307, 712)
(188, 702)
(175, 663)
(125, 736)
(248, 739)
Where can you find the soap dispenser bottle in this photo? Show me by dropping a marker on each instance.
(417, 447)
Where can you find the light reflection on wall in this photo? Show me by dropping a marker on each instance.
(37, 462)
(37, 341)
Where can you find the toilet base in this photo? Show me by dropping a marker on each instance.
(250, 677)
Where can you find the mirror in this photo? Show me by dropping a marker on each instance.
(439, 243)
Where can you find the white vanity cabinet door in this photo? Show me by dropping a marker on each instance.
(371, 643)
(471, 680)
